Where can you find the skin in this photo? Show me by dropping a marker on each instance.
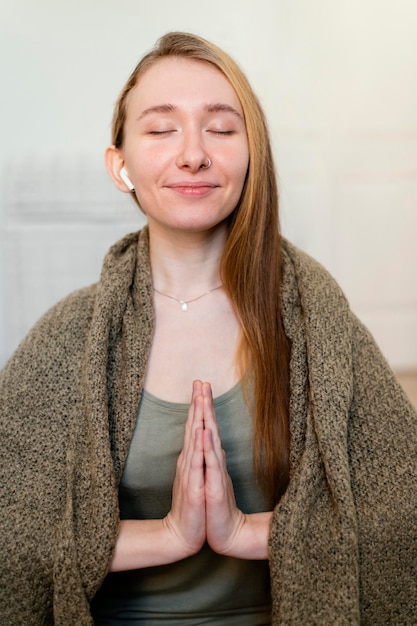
(174, 126)
(203, 504)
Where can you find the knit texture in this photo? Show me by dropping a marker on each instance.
(343, 537)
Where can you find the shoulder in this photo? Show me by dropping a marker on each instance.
(307, 271)
(68, 317)
(73, 310)
(310, 296)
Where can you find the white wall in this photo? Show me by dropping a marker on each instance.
(338, 82)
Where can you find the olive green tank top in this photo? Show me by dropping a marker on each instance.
(206, 588)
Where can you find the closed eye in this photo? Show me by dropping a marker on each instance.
(161, 132)
(221, 132)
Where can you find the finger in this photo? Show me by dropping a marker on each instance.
(189, 477)
(213, 444)
(210, 421)
(187, 514)
(215, 460)
(194, 416)
(194, 423)
(197, 388)
(206, 389)
(196, 466)
(222, 514)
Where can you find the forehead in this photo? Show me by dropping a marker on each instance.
(181, 81)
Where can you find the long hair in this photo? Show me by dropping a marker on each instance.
(250, 264)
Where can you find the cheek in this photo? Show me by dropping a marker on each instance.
(241, 171)
(148, 169)
(147, 159)
(238, 162)
(240, 180)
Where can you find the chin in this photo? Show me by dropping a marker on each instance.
(190, 226)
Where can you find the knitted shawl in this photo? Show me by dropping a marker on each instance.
(343, 546)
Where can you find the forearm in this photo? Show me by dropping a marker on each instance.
(145, 543)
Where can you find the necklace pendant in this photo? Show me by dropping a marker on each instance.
(184, 306)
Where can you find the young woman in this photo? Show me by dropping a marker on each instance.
(273, 495)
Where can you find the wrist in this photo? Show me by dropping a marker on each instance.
(250, 540)
(146, 543)
(178, 546)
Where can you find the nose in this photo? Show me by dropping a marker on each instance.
(192, 155)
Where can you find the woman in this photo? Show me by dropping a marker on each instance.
(120, 504)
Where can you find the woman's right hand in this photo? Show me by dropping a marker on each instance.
(187, 517)
(182, 533)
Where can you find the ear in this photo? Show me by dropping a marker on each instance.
(114, 161)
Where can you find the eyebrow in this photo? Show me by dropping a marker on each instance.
(217, 107)
(159, 108)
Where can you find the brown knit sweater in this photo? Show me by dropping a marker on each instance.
(343, 538)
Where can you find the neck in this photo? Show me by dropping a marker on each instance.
(186, 266)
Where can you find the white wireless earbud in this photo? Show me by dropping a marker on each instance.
(125, 178)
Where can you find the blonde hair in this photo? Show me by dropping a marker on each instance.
(251, 260)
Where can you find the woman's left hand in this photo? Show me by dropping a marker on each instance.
(229, 530)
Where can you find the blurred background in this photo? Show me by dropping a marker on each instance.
(338, 82)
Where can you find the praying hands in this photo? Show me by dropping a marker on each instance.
(203, 504)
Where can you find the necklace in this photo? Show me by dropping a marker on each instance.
(184, 303)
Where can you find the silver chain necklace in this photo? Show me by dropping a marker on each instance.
(184, 303)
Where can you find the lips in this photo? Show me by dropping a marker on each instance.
(194, 189)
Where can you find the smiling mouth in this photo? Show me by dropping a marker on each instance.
(193, 189)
